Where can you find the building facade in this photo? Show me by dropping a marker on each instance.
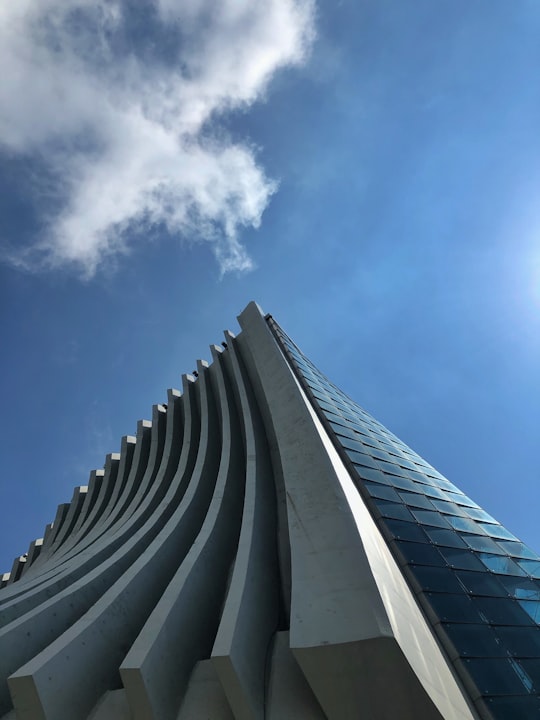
(265, 549)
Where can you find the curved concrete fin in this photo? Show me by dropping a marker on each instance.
(251, 611)
(182, 627)
(58, 674)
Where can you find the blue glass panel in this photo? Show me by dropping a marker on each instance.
(392, 468)
(461, 499)
(532, 608)
(402, 483)
(448, 508)
(405, 531)
(431, 491)
(461, 559)
(520, 641)
(454, 608)
(496, 676)
(440, 536)
(475, 640)
(532, 668)
(481, 583)
(482, 543)
(437, 579)
(521, 588)
(351, 444)
(416, 500)
(525, 707)
(362, 459)
(518, 549)
(501, 611)
(531, 567)
(420, 554)
(497, 531)
(501, 564)
(465, 525)
(372, 474)
(382, 491)
(428, 517)
(398, 511)
(479, 514)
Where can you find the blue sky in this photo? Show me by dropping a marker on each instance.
(367, 171)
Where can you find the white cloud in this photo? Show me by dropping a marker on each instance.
(119, 103)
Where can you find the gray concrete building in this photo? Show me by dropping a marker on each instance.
(264, 549)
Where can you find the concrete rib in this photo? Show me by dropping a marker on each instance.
(251, 611)
(181, 629)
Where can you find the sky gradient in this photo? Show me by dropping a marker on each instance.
(368, 172)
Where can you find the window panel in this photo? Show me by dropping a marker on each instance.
(454, 608)
(501, 564)
(496, 676)
(398, 511)
(428, 517)
(405, 531)
(461, 559)
(531, 567)
(384, 492)
(532, 608)
(517, 549)
(466, 525)
(475, 640)
(437, 579)
(420, 554)
(448, 508)
(481, 583)
(522, 588)
(416, 500)
(502, 611)
(520, 641)
(482, 543)
(497, 531)
(440, 536)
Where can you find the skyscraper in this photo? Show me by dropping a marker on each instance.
(264, 548)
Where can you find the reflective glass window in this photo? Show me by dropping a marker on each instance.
(501, 564)
(522, 588)
(416, 500)
(398, 511)
(465, 525)
(431, 491)
(362, 459)
(405, 531)
(461, 499)
(420, 554)
(502, 611)
(402, 483)
(440, 536)
(351, 444)
(497, 531)
(532, 668)
(448, 508)
(482, 543)
(481, 583)
(428, 517)
(517, 549)
(368, 473)
(531, 567)
(475, 640)
(479, 514)
(436, 579)
(532, 608)
(495, 676)
(384, 492)
(454, 608)
(520, 641)
(392, 468)
(461, 559)
(525, 707)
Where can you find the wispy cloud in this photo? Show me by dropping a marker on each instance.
(120, 102)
